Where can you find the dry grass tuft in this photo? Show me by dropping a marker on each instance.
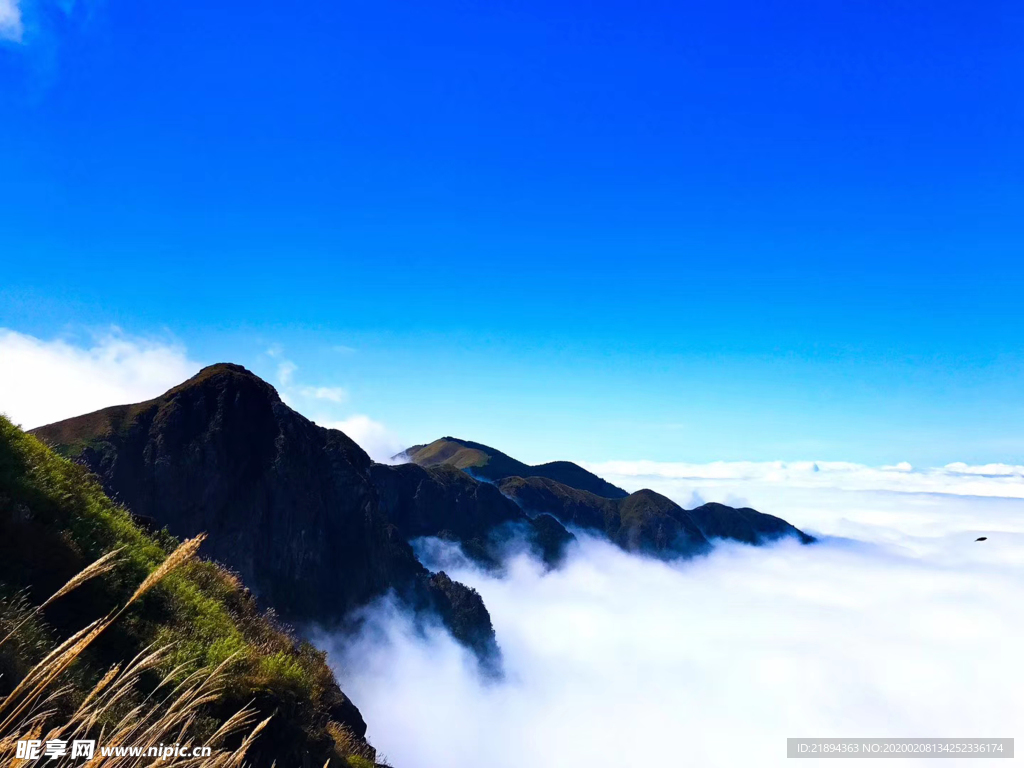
(165, 717)
(185, 552)
(101, 566)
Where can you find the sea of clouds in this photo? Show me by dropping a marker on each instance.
(897, 624)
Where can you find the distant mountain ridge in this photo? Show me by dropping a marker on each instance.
(491, 464)
(647, 521)
(643, 521)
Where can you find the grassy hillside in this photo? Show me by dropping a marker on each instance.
(55, 520)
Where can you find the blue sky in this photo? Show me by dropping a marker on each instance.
(671, 231)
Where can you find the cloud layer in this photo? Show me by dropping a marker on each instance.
(957, 478)
(907, 628)
(46, 381)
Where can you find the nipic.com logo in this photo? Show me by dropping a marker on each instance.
(51, 749)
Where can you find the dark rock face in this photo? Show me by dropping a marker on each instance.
(464, 613)
(301, 512)
(441, 501)
(650, 522)
(641, 522)
(646, 521)
(445, 502)
(286, 503)
(744, 524)
(551, 539)
(575, 476)
(492, 465)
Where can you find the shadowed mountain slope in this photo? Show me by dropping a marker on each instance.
(493, 465)
(646, 521)
(445, 502)
(743, 524)
(288, 504)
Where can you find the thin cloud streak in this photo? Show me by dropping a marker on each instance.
(333, 394)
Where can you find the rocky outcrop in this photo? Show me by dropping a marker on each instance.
(641, 522)
(463, 611)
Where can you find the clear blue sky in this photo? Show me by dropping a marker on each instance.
(664, 230)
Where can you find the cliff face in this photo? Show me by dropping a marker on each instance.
(441, 501)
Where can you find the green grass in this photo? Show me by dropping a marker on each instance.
(55, 520)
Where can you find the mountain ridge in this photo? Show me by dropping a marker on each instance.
(645, 520)
(491, 464)
(317, 528)
(288, 504)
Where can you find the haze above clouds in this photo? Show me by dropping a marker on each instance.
(897, 624)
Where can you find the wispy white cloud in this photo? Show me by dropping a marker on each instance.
(42, 381)
(286, 372)
(334, 394)
(285, 368)
(372, 436)
(11, 25)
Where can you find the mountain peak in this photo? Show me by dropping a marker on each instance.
(220, 369)
(226, 373)
(218, 382)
